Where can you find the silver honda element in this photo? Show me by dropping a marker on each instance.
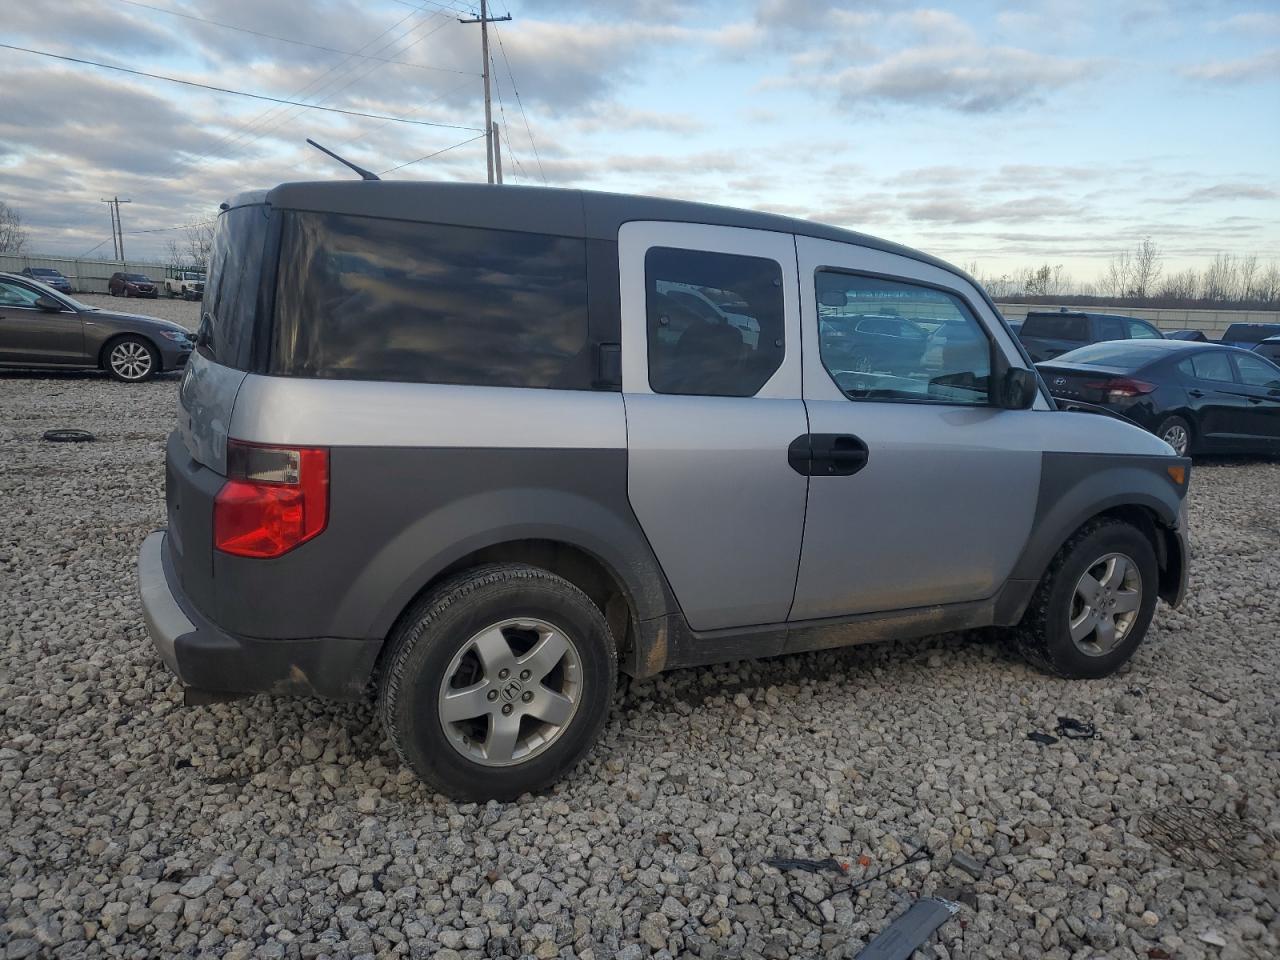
(485, 447)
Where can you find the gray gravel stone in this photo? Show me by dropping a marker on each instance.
(131, 826)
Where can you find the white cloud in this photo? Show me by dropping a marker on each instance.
(1263, 66)
(968, 79)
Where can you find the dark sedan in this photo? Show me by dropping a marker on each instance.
(49, 276)
(40, 327)
(1197, 397)
(872, 343)
(132, 285)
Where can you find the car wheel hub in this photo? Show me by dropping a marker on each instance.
(1176, 437)
(1105, 604)
(510, 692)
(131, 360)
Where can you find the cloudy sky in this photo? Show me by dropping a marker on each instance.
(1002, 133)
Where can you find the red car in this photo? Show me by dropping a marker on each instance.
(132, 285)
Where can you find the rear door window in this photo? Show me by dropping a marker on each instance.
(1212, 365)
(231, 295)
(360, 298)
(714, 322)
(1056, 327)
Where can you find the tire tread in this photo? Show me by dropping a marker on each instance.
(418, 621)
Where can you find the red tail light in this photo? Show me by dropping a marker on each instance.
(275, 498)
(1121, 388)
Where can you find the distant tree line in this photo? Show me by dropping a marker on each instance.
(1136, 278)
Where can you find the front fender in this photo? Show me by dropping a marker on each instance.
(1075, 487)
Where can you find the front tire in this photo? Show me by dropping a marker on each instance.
(498, 682)
(131, 360)
(1176, 432)
(1094, 604)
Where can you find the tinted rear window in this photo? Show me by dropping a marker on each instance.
(231, 294)
(1053, 326)
(367, 299)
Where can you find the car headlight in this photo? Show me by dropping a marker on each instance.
(178, 336)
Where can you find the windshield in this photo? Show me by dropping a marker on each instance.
(137, 278)
(45, 272)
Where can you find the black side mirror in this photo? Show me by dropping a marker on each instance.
(1019, 388)
(49, 305)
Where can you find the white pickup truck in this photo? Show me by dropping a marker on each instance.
(187, 284)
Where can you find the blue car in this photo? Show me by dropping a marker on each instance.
(49, 277)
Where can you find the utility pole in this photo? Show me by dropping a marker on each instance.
(117, 230)
(497, 152)
(484, 20)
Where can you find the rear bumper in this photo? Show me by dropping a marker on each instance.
(207, 659)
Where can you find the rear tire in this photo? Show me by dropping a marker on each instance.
(1065, 630)
(1176, 432)
(498, 682)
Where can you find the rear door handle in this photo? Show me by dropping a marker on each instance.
(827, 454)
(1255, 400)
(1196, 393)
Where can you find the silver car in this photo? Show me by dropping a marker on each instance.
(486, 447)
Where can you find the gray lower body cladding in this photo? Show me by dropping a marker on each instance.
(400, 516)
(207, 658)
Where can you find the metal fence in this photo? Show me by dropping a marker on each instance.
(86, 276)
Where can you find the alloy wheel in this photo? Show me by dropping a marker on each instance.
(1176, 436)
(1105, 604)
(130, 360)
(510, 692)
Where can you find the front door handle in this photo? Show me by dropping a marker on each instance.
(827, 454)
(1255, 400)
(1196, 393)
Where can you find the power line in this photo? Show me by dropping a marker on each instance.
(317, 83)
(180, 226)
(430, 155)
(237, 93)
(300, 43)
(520, 103)
(505, 128)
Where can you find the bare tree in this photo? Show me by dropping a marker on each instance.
(191, 251)
(1222, 279)
(13, 235)
(1115, 281)
(1269, 284)
(1179, 287)
(1249, 277)
(1146, 270)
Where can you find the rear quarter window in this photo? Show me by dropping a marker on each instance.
(234, 281)
(1056, 327)
(360, 298)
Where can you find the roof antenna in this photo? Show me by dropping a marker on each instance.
(364, 174)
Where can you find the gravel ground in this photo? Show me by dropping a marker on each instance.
(131, 826)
